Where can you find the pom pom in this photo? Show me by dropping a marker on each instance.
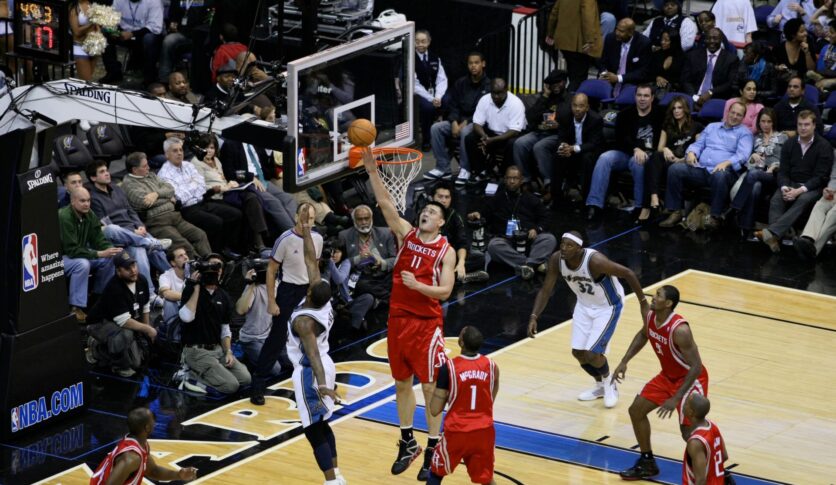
(104, 16)
(94, 43)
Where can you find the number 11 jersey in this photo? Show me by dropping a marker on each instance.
(424, 260)
(605, 292)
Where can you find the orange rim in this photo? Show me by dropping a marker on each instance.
(416, 155)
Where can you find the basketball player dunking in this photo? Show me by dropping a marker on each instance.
(423, 275)
(682, 375)
(594, 279)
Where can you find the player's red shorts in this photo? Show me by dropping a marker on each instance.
(474, 447)
(416, 347)
(660, 389)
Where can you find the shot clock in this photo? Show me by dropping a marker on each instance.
(42, 30)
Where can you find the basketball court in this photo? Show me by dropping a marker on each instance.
(753, 338)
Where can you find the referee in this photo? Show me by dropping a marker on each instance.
(287, 257)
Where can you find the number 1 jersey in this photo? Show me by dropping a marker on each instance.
(424, 260)
(470, 381)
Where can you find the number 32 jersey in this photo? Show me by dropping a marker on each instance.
(424, 260)
(605, 292)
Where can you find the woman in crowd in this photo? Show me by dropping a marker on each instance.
(678, 131)
(758, 69)
(246, 199)
(81, 26)
(748, 93)
(666, 64)
(795, 54)
(760, 176)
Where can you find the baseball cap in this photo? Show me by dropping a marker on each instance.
(123, 260)
(556, 76)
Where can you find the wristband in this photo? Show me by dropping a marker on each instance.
(535, 316)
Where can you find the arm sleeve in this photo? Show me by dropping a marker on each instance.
(155, 17)
(517, 120)
(454, 113)
(744, 150)
(786, 162)
(440, 82)
(698, 146)
(420, 90)
(97, 239)
(443, 381)
(225, 331)
(687, 34)
(770, 19)
(480, 115)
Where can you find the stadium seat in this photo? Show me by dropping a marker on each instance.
(70, 153)
(627, 96)
(597, 90)
(105, 142)
(761, 13)
(713, 109)
(668, 98)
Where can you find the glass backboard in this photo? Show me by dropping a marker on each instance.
(370, 77)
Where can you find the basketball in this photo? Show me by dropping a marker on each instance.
(362, 133)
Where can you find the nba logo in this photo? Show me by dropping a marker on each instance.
(15, 420)
(30, 262)
(300, 163)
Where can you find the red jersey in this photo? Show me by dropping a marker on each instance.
(673, 363)
(471, 393)
(712, 441)
(424, 261)
(106, 467)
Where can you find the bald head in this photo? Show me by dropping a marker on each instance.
(138, 420)
(700, 405)
(80, 200)
(580, 106)
(499, 91)
(624, 29)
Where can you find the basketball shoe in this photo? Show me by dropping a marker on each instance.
(610, 392)
(424, 472)
(408, 451)
(596, 392)
(644, 468)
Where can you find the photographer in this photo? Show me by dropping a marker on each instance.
(338, 272)
(253, 304)
(172, 282)
(206, 312)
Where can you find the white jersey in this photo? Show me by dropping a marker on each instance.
(295, 350)
(607, 292)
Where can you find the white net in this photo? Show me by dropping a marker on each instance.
(397, 168)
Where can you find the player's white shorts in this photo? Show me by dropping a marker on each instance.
(312, 408)
(592, 327)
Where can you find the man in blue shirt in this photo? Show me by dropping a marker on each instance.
(712, 161)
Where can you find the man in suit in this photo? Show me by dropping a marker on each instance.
(806, 162)
(582, 136)
(710, 72)
(626, 56)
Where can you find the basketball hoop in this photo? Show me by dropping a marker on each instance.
(398, 167)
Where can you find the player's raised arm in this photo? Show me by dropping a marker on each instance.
(395, 222)
(311, 262)
(545, 293)
(600, 264)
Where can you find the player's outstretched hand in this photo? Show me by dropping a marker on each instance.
(618, 373)
(532, 327)
(187, 474)
(666, 409)
(368, 160)
(327, 391)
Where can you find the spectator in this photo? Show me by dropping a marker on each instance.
(178, 89)
(141, 30)
(72, 180)
(225, 54)
(206, 312)
(712, 161)
(253, 305)
(713, 68)
(666, 64)
(469, 263)
(637, 131)
(679, 131)
(430, 85)
(184, 17)
(246, 200)
(225, 80)
(825, 75)
(499, 118)
(582, 137)
(154, 197)
(754, 66)
(787, 109)
(786, 10)
(748, 93)
(760, 174)
(84, 249)
(626, 56)
(80, 26)
(325, 216)
(517, 219)
(822, 223)
(288, 257)
(806, 162)
(706, 22)
(172, 282)
(467, 91)
(123, 339)
(539, 146)
(157, 90)
(683, 30)
(122, 225)
(736, 18)
(794, 56)
(220, 221)
(371, 252)
(574, 28)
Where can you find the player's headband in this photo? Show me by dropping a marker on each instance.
(572, 237)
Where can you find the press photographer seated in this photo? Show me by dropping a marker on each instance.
(206, 311)
(253, 304)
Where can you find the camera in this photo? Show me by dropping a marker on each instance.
(209, 271)
(260, 267)
(328, 248)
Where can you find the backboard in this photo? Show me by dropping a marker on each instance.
(370, 77)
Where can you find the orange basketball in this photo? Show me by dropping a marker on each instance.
(362, 133)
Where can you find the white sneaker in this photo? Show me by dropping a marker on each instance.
(463, 177)
(165, 243)
(436, 174)
(342, 480)
(610, 392)
(592, 394)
